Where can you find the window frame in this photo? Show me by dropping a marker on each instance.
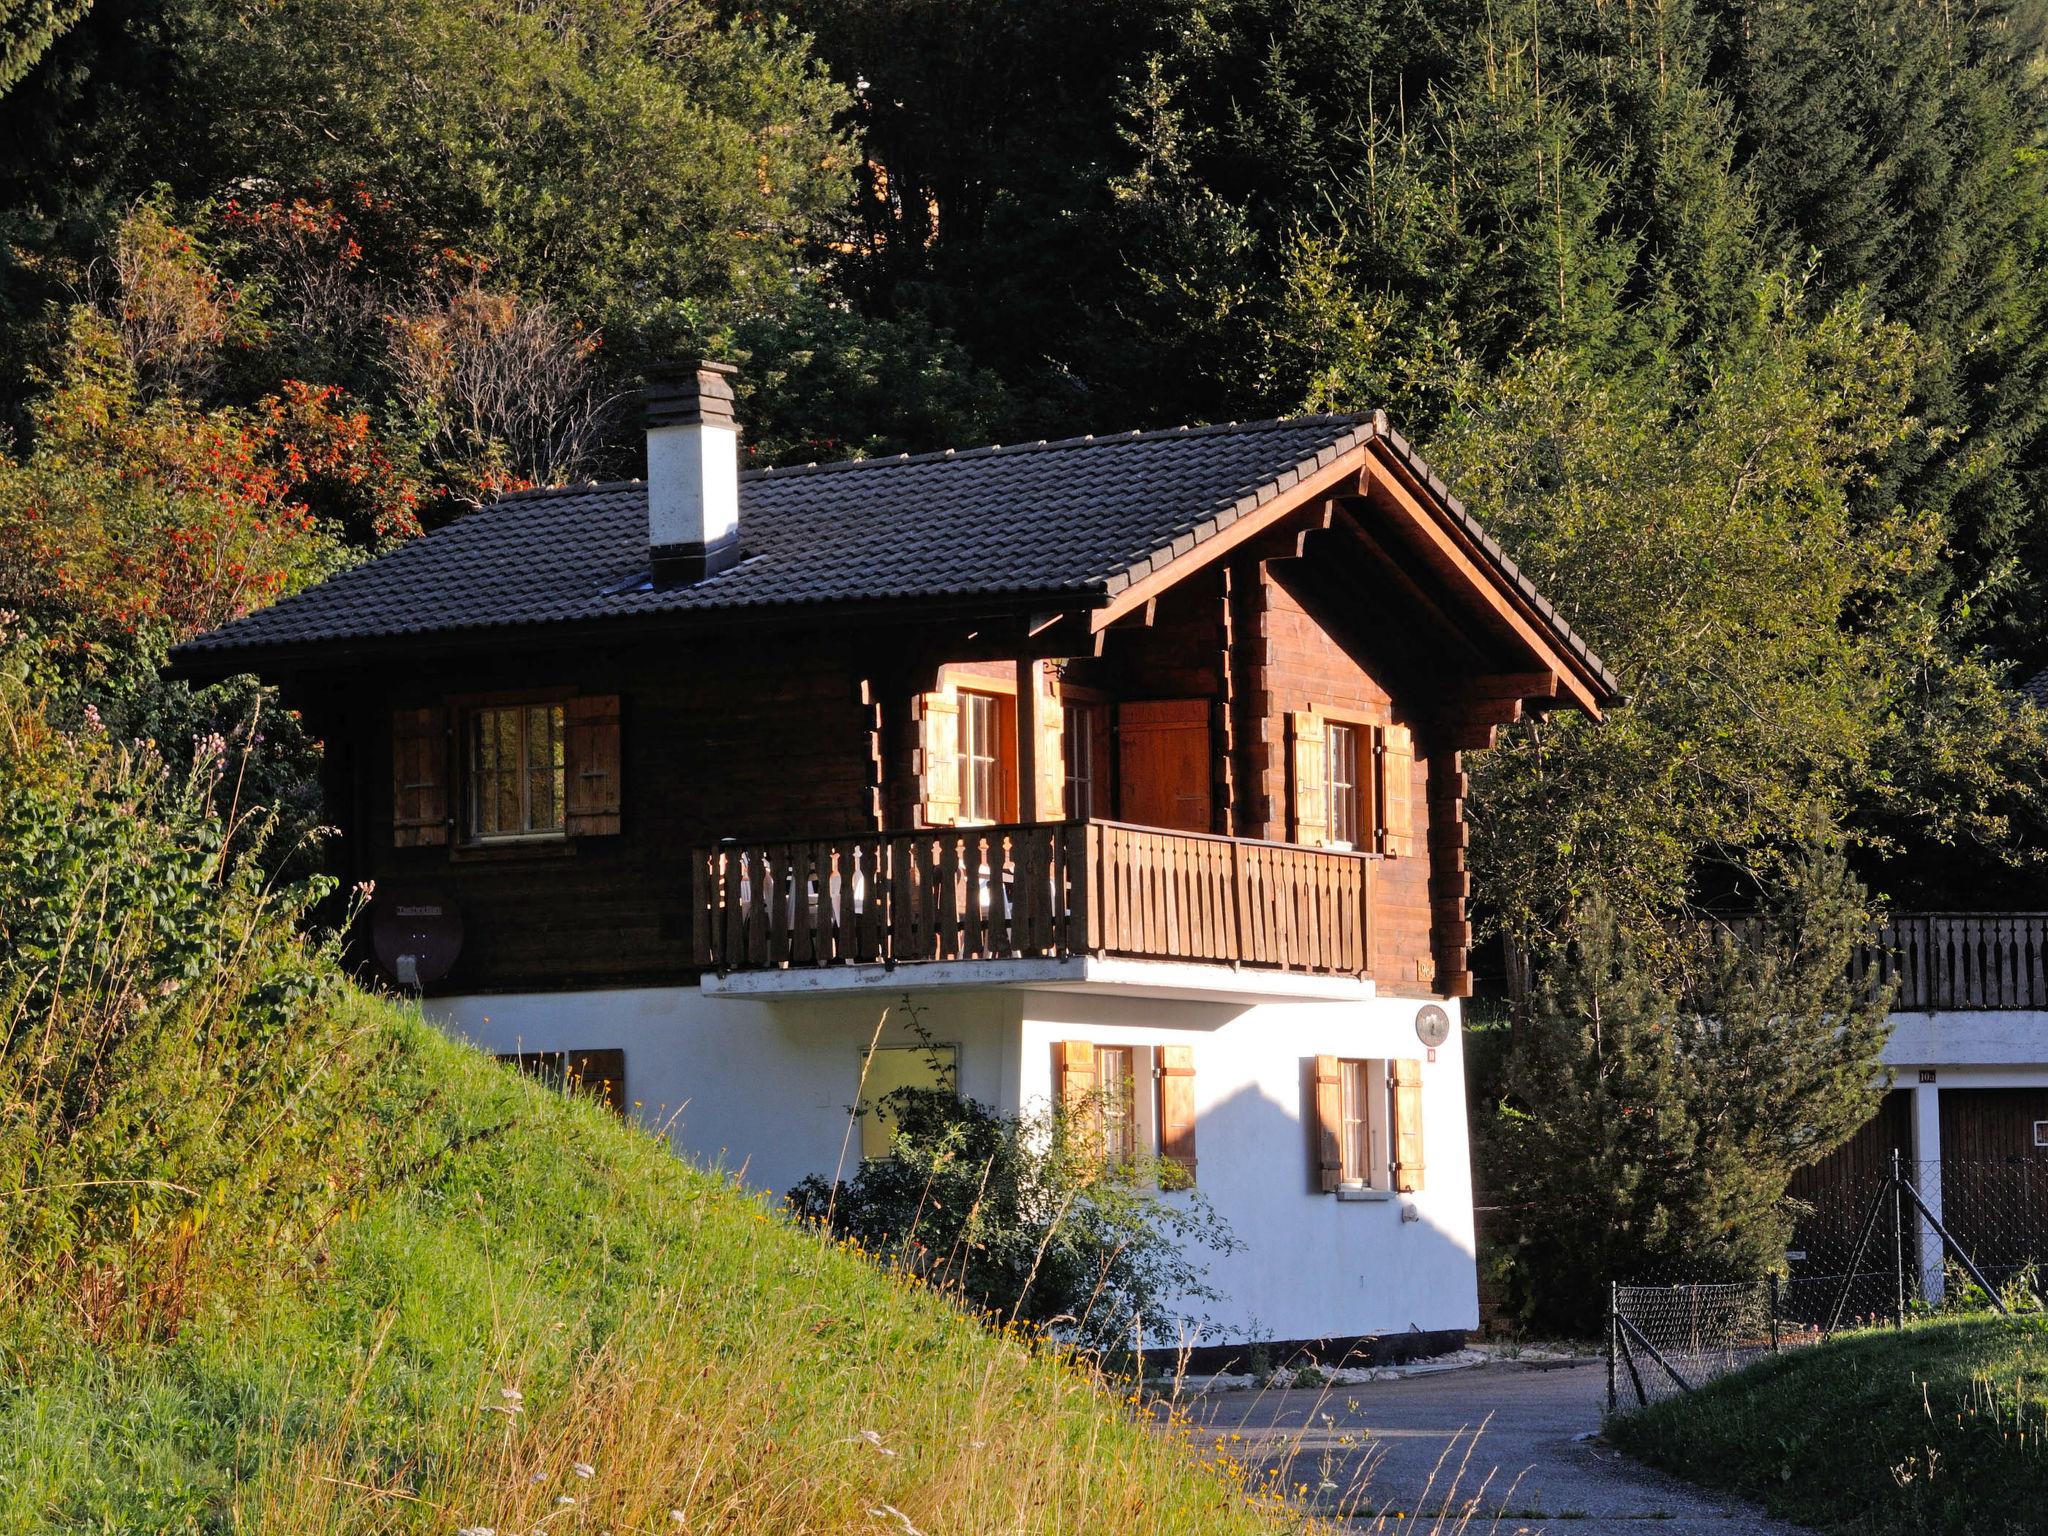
(866, 1105)
(470, 712)
(999, 711)
(1369, 1078)
(1352, 803)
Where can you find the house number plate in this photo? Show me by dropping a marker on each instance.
(1432, 1025)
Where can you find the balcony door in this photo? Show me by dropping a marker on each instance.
(1164, 764)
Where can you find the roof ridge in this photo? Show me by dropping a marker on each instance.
(1046, 445)
(986, 450)
(586, 488)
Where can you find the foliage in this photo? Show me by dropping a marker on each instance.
(1022, 1218)
(27, 28)
(153, 997)
(1655, 1126)
(1776, 645)
(1938, 1428)
(129, 516)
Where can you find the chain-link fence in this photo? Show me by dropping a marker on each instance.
(1875, 1248)
(1666, 1339)
(1918, 1235)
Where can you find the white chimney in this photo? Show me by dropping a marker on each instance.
(693, 475)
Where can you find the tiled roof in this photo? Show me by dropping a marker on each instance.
(1082, 519)
(2036, 688)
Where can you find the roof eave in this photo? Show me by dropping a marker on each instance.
(213, 662)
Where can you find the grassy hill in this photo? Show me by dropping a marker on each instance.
(1941, 1428)
(515, 1302)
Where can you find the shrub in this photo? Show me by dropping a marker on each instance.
(1022, 1217)
(1657, 1115)
(160, 1026)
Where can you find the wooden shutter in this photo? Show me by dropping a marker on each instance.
(602, 1074)
(1310, 772)
(1073, 1072)
(1327, 1168)
(591, 751)
(1167, 765)
(1405, 1080)
(1177, 1106)
(1052, 748)
(419, 777)
(939, 745)
(1397, 792)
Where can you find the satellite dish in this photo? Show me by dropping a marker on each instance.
(1432, 1025)
(416, 932)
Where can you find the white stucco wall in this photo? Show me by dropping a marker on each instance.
(1311, 1265)
(765, 1086)
(749, 1087)
(2005, 1037)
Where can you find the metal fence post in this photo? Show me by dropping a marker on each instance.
(1613, 1339)
(1899, 1240)
(1774, 1312)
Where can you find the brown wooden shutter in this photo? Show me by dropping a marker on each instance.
(1073, 1072)
(419, 777)
(1310, 773)
(1177, 1106)
(1052, 748)
(1397, 792)
(1405, 1080)
(1327, 1170)
(939, 746)
(602, 1074)
(591, 752)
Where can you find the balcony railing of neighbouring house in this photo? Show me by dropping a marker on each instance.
(1960, 960)
(1042, 890)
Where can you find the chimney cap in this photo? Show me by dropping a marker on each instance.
(690, 394)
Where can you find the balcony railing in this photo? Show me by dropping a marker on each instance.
(1961, 960)
(1043, 890)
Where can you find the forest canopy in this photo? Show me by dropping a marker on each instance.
(1727, 318)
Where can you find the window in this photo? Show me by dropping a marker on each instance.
(1368, 1122)
(889, 1069)
(601, 1073)
(1341, 780)
(1116, 1074)
(1354, 1138)
(1081, 725)
(981, 742)
(517, 772)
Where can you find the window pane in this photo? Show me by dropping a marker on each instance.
(892, 1067)
(1342, 750)
(543, 726)
(978, 721)
(1117, 1081)
(505, 727)
(1356, 1136)
(1079, 740)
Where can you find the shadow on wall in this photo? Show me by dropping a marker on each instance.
(1313, 1267)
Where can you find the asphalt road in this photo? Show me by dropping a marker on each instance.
(1494, 1450)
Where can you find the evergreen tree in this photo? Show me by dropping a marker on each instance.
(1658, 1113)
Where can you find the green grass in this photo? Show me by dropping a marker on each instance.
(524, 1284)
(1940, 1428)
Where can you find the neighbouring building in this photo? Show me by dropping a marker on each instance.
(1134, 760)
(1966, 1119)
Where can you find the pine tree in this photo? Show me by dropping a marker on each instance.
(1659, 1111)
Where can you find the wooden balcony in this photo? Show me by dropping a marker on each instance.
(1960, 960)
(1040, 891)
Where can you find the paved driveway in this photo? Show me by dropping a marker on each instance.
(1489, 1451)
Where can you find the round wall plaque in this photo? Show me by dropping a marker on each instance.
(1432, 1025)
(416, 932)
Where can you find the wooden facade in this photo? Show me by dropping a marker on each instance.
(1231, 703)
